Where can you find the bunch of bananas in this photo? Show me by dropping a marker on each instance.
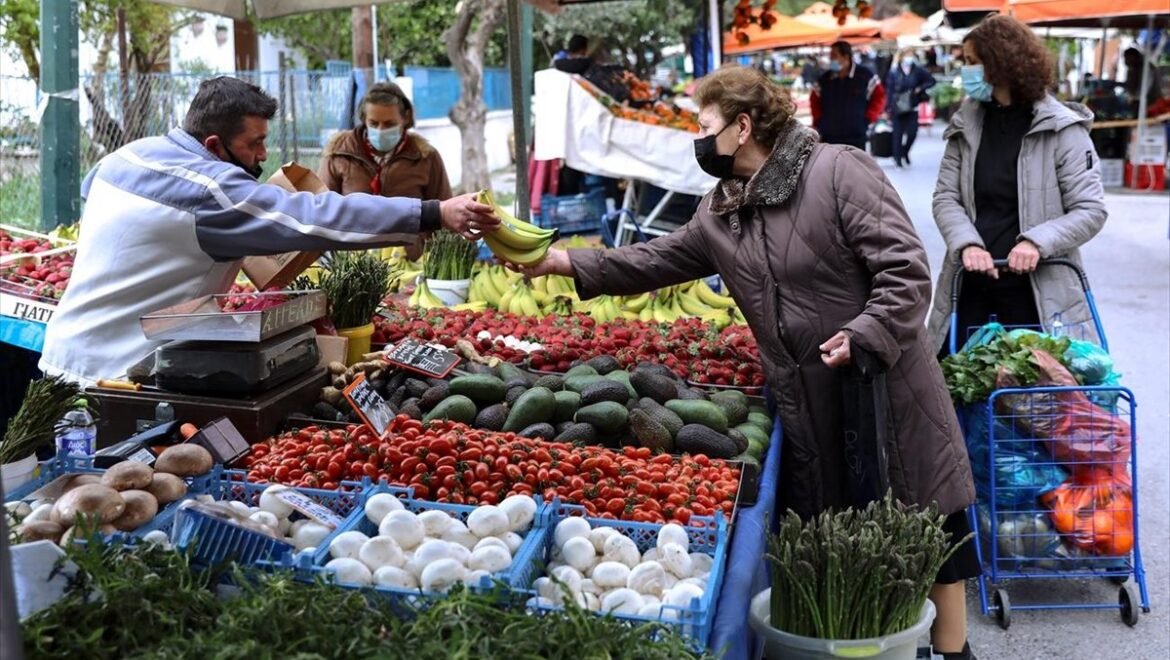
(491, 283)
(516, 241)
(560, 305)
(519, 300)
(403, 272)
(424, 297)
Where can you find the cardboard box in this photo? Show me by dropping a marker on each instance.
(281, 269)
(331, 349)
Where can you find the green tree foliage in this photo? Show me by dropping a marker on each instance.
(20, 32)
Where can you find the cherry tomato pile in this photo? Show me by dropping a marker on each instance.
(691, 347)
(451, 462)
(45, 278)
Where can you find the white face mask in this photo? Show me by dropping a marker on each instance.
(908, 62)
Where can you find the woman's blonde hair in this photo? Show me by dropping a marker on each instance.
(739, 90)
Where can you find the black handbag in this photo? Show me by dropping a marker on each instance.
(867, 428)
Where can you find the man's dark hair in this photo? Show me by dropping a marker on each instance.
(220, 105)
(843, 48)
(578, 43)
(1133, 55)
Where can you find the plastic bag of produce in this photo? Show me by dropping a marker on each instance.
(1094, 510)
(1023, 469)
(983, 335)
(1077, 431)
(1023, 535)
(1089, 362)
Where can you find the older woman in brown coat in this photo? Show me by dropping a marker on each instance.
(817, 250)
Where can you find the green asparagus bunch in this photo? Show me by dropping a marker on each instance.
(856, 574)
(449, 257)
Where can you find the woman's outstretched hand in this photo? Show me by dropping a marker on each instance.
(555, 262)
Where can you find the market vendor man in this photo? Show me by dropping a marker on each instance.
(168, 218)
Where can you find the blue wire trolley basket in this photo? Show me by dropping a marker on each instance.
(1060, 498)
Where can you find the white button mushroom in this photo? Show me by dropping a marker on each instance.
(395, 578)
(381, 551)
(673, 533)
(568, 528)
(520, 510)
(676, 560)
(346, 545)
(435, 522)
(622, 601)
(579, 553)
(488, 520)
(404, 527)
(648, 578)
(442, 574)
(492, 559)
(599, 536)
(381, 504)
(349, 571)
(271, 503)
(611, 574)
(621, 549)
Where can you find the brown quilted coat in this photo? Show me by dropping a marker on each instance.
(816, 242)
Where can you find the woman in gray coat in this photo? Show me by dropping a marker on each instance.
(1019, 181)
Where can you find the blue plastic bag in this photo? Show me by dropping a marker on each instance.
(1023, 468)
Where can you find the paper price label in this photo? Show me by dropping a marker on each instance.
(309, 508)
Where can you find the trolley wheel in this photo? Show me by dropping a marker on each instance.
(1128, 600)
(1118, 579)
(1003, 608)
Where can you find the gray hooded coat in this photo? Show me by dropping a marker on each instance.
(1062, 205)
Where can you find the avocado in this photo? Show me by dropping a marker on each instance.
(758, 409)
(740, 440)
(410, 409)
(756, 449)
(632, 405)
(432, 396)
(734, 405)
(397, 396)
(492, 418)
(581, 370)
(416, 387)
(753, 432)
(478, 369)
(650, 433)
(656, 387)
(623, 377)
(579, 383)
(604, 390)
(543, 430)
(656, 369)
(563, 426)
(533, 407)
(484, 390)
(567, 405)
(691, 394)
(603, 364)
(663, 415)
(748, 459)
(699, 412)
(513, 375)
(456, 408)
(608, 417)
(322, 410)
(762, 421)
(701, 439)
(578, 434)
(514, 393)
(551, 381)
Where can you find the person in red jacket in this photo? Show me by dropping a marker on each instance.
(846, 100)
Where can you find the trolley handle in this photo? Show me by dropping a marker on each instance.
(1002, 263)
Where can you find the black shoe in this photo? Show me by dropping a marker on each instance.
(965, 654)
(897, 163)
(907, 159)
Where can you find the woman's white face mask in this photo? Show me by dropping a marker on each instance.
(384, 140)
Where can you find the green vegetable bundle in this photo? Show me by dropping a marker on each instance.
(355, 284)
(176, 613)
(35, 425)
(855, 574)
(449, 257)
(971, 374)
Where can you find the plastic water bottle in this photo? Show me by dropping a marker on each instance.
(1057, 326)
(76, 432)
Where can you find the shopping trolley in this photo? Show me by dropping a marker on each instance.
(1061, 500)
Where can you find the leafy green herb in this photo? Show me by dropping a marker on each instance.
(449, 257)
(855, 574)
(355, 284)
(153, 604)
(971, 374)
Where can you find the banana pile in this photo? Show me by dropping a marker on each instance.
(403, 272)
(516, 241)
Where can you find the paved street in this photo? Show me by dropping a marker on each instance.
(1129, 267)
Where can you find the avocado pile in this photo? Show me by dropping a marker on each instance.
(598, 403)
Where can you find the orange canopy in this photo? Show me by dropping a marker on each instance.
(854, 27)
(973, 5)
(905, 23)
(1088, 13)
(786, 32)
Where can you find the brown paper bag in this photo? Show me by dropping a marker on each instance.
(279, 270)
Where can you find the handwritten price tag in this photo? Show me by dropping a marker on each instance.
(370, 405)
(433, 361)
(309, 508)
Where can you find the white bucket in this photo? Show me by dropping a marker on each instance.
(18, 473)
(451, 292)
(785, 646)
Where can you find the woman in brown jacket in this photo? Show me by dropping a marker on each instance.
(817, 250)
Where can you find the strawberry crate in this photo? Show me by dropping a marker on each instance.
(63, 464)
(706, 535)
(522, 571)
(211, 539)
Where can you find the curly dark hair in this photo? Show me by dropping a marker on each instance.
(1013, 55)
(736, 89)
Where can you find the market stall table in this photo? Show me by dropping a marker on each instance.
(747, 572)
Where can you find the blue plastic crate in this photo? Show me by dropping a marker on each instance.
(211, 540)
(60, 465)
(574, 214)
(708, 535)
(522, 572)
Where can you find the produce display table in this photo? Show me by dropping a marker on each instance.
(746, 571)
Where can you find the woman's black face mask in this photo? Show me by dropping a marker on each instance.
(720, 166)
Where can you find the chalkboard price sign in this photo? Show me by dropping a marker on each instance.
(370, 405)
(432, 361)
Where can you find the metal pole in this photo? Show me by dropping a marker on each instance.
(11, 645)
(282, 86)
(519, 118)
(60, 124)
(124, 70)
(374, 38)
(292, 109)
(526, 20)
(714, 26)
